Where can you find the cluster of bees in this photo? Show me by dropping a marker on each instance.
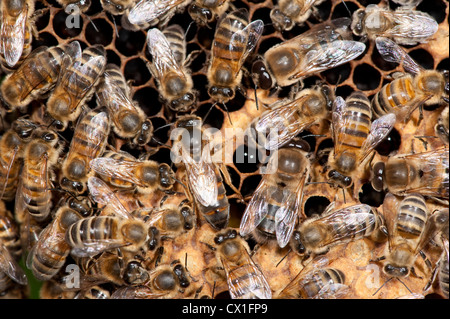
(138, 228)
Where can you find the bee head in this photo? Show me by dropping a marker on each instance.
(396, 271)
(377, 178)
(184, 103)
(145, 133)
(221, 94)
(200, 15)
(280, 21)
(358, 22)
(339, 179)
(166, 176)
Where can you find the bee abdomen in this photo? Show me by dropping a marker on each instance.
(319, 280)
(393, 96)
(412, 216)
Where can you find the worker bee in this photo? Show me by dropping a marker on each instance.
(11, 145)
(35, 76)
(127, 118)
(290, 12)
(275, 206)
(204, 12)
(88, 142)
(407, 225)
(315, 281)
(81, 5)
(354, 136)
(289, 117)
(117, 7)
(408, 3)
(204, 179)
(76, 83)
(244, 278)
(122, 170)
(34, 190)
(425, 173)
(147, 13)
(168, 50)
(322, 47)
(441, 127)
(317, 234)
(15, 32)
(51, 250)
(234, 39)
(10, 269)
(404, 25)
(410, 90)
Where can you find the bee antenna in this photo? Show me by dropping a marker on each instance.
(159, 142)
(256, 97)
(93, 24)
(228, 113)
(157, 129)
(180, 182)
(348, 10)
(64, 191)
(188, 28)
(290, 249)
(405, 286)
(213, 290)
(115, 26)
(382, 286)
(209, 111)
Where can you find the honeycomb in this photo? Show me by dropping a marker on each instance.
(367, 73)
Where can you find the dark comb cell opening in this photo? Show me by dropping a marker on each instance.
(344, 91)
(247, 159)
(147, 98)
(211, 115)
(235, 180)
(366, 77)
(161, 132)
(267, 44)
(295, 31)
(378, 60)
(94, 8)
(200, 84)
(99, 31)
(370, 196)
(235, 104)
(435, 8)
(338, 74)
(130, 43)
(112, 57)
(444, 64)
(249, 185)
(205, 37)
(423, 58)
(223, 295)
(136, 71)
(236, 211)
(342, 10)
(323, 150)
(162, 156)
(315, 205)
(264, 15)
(66, 26)
(43, 19)
(45, 39)
(198, 60)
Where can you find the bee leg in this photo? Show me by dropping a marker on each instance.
(191, 57)
(432, 278)
(413, 272)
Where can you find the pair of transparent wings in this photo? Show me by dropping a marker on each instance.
(145, 11)
(12, 36)
(379, 129)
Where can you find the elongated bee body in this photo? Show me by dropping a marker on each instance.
(314, 285)
(88, 142)
(206, 11)
(9, 233)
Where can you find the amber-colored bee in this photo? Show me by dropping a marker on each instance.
(168, 50)
(124, 171)
(287, 118)
(354, 137)
(81, 5)
(35, 76)
(15, 32)
(117, 7)
(404, 25)
(322, 47)
(88, 142)
(317, 234)
(51, 250)
(410, 90)
(244, 278)
(424, 173)
(203, 174)
(275, 206)
(76, 84)
(127, 118)
(287, 13)
(12, 144)
(204, 12)
(441, 127)
(234, 39)
(34, 190)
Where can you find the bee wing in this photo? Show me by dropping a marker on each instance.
(254, 284)
(120, 169)
(392, 52)
(136, 292)
(333, 291)
(6, 167)
(390, 209)
(286, 215)
(163, 57)
(436, 223)
(90, 249)
(257, 209)
(328, 55)
(324, 32)
(379, 129)
(9, 266)
(275, 121)
(117, 97)
(148, 10)
(338, 122)
(307, 4)
(102, 194)
(12, 37)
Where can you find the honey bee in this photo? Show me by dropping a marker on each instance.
(168, 50)
(441, 127)
(234, 39)
(408, 3)
(410, 90)
(117, 7)
(354, 136)
(204, 12)
(15, 32)
(323, 47)
(275, 206)
(147, 13)
(127, 118)
(81, 5)
(34, 190)
(11, 146)
(35, 76)
(204, 179)
(408, 232)
(76, 83)
(290, 12)
(424, 173)
(51, 250)
(244, 278)
(289, 117)
(404, 25)
(317, 234)
(88, 142)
